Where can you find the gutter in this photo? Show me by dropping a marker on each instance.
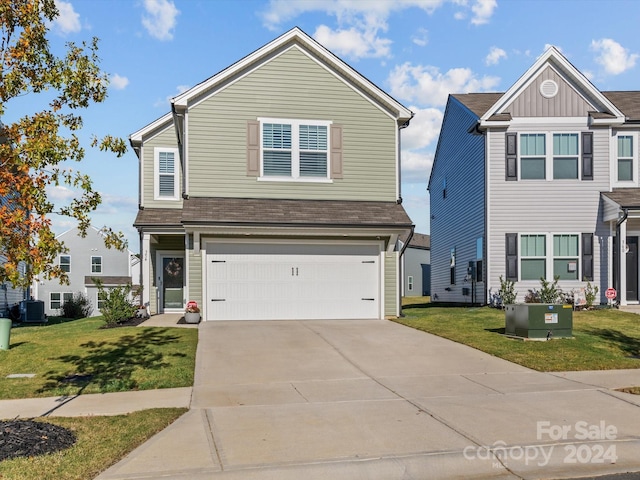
(401, 279)
(178, 123)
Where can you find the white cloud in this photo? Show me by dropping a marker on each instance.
(614, 58)
(67, 21)
(353, 43)
(423, 129)
(494, 56)
(416, 166)
(426, 85)
(60, 193)
(119, 82)
(160, 19)
(166, 101)
(361, 23)
(482, 11)
(421, 37)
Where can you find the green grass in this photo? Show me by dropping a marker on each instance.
(74, 357)
(101, 442)
(603, 339)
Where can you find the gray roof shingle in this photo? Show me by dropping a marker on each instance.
(625, 197)
(276, 212)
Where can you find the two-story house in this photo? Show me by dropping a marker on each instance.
(540, 181)
(272, 191)
(86, 258)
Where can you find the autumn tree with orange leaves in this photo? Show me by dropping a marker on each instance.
(33, 148)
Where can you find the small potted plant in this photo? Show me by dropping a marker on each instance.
(192, 313)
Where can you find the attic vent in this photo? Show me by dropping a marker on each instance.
(548, 88)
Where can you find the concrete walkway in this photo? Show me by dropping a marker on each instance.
(375, 400)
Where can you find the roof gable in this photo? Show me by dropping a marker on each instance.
(579, 94)
(294, 38)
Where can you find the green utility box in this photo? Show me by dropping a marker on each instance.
(5, 333)
(539, 320)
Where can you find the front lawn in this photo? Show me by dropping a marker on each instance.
(79, 357)
(100, 443)
(604, 339)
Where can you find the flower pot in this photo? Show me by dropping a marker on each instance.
(192, 317)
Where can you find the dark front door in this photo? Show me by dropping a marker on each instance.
(632, 269)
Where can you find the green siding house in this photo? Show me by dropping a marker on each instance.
(272, 191)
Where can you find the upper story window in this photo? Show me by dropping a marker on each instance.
(565, 156)
(166, 186)
(65, 263)
(295, 149)
(96, 264)
(549, 156)
(625, 158)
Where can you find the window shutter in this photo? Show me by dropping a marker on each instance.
(253, 148)
(587, 257)
(587, 155)
(511, 242)
(336, 151)
(511, 150)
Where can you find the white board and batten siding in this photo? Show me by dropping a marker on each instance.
(285, 281)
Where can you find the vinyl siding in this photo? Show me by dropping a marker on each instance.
(290, 86)
(546, 206)
(566, 103)
(9, 296)
(166, 138)
(194, 280)
(457, 221)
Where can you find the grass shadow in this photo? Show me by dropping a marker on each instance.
(110, 365)
(501, 331)
(630, 345)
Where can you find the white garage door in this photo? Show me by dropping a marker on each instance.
(288, 282)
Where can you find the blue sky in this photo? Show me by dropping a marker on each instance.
(419, 51)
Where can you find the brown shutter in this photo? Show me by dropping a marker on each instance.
(511, 244)
(587, 257)
(587, 155)
(511, 160)
(336, 151)
(253, 148)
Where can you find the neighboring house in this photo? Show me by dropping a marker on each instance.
(87, 258)
(539, 181)
(272, 191)
(416, 267)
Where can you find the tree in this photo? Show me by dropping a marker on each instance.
(35, 149)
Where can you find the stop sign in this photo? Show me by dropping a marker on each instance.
(610, 293)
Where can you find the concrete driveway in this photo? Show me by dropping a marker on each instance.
(372, 399)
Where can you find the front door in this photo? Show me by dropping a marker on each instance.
(171, 286)
(632, 269)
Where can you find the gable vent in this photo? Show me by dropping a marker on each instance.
(548, 88)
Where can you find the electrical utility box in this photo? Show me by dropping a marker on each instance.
(539, 320)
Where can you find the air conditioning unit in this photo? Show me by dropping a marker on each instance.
(32, 311)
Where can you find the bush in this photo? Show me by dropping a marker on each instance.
(507, 292)
(116, 304)
(550, 292)
(590, 294)
(78, 307)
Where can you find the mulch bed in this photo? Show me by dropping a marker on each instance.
(132, 322)
(28, 438)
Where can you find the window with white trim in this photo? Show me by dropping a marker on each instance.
(100, 299)
(294, 149)
(166, 186)
(96, 264)
(57, 299)
(560, 162)
(566, 256)
(625, 158)
(410, 283)
(65, 263)
(533, 257)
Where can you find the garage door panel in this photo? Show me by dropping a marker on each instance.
(284, 286)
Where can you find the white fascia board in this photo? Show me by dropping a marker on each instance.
(257, 56)
(612, 204)
(551, 54)
(136, 137)
(608, 121)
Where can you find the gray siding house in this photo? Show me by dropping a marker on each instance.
(85, 259)
(272, 191)
(9, 295)
(416, 267)
(538, 181)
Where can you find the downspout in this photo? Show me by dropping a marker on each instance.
(178, 123)
(400, 259)
(620, 221)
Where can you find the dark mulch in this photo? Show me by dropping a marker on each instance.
(132, 322)
(28, 438)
